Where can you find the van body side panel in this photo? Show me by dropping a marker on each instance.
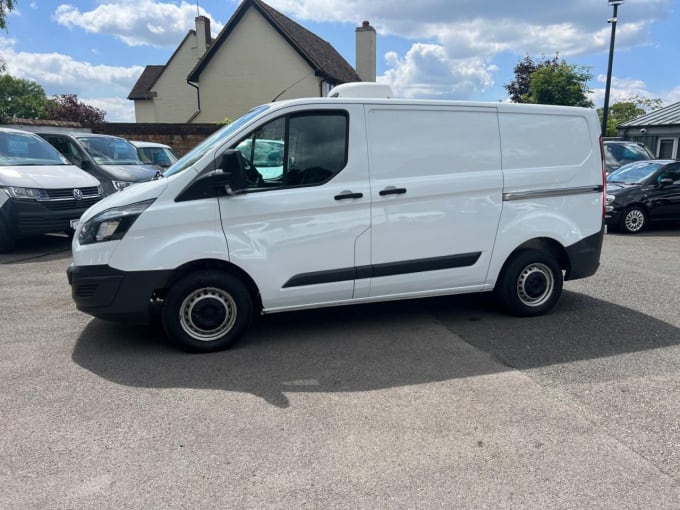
(553, 183)
(299, 244)
(436, 195)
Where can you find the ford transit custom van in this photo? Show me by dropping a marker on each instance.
(372, 199)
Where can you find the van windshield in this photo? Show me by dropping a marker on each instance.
(19, 149)
(110, 150)
(214, 140)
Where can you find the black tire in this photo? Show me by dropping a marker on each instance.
(206, 311)
(633, 220)
(530, 283)
(7, 242)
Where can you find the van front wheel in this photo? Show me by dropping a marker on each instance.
(206, 311)
(530, 283)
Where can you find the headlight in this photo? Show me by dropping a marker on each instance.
(111, 224)
(610, 199)
(26, 193)
(121, 185)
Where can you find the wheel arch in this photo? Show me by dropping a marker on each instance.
(215, 264)
(544, 244)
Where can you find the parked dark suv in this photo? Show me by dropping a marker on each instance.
(112, 160)
(619, 152)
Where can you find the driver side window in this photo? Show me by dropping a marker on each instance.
(296, 150)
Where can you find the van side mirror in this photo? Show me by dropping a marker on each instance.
(666, 181)
(228, 179)
(233, 166)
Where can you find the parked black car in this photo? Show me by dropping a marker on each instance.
(112, 160)
(641, 192)
(618, 153)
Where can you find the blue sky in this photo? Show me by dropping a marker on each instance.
(448, 49)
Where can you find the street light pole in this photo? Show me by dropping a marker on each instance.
(612, 20)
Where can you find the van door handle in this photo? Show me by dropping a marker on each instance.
(392, 191)
(346, 195)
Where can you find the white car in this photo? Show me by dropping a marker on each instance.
(154, 153)
(40, 191)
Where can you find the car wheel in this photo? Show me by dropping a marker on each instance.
(206, 311)
(7, 242)
(634, 220)
(530, 283)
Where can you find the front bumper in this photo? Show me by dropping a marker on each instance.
(111, 294)
(31, 217)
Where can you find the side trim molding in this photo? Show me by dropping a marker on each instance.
(386, 269)
(549, 193)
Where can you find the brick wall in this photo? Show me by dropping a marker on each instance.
(181, 137)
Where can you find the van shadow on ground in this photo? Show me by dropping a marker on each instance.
(371, 347)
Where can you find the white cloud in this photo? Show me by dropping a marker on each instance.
(61, 74)
(623, 89)
(117, 109)
(464, 36)
(136, 22)
(427, 71)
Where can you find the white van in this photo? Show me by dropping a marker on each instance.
(40, 191)
(376, 199)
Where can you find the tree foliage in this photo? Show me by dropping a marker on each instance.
(5, 7)
(628, 109)
(67, 107)
(550, 81)
(21, 99)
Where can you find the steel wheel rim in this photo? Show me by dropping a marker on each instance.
(535, 284)
(208, 314)
(635, 220)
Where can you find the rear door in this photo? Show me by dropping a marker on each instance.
(436, 183)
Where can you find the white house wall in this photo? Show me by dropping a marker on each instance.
(144, 111)
(175, 100)
(253, 65)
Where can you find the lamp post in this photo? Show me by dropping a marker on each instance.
(612, 20)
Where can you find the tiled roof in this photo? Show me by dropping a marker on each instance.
(145, 82)
(668, 116)
(319, 54)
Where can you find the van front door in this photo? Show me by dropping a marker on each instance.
(296, 228)
(436, 184)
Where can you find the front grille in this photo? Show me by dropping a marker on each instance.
(62, 205)
(67, 193)
(41, 225)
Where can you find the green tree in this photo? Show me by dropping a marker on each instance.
(21, 99)
(562, 84)
(518, 89)
(628, 109)
(549, 81)
(5, 7)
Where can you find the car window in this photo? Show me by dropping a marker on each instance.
(109, 150)
(671, 173)
(25, 149)
(634, 173)
(297, 150)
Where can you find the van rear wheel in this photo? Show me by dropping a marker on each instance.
(530, 283)
(206, 311)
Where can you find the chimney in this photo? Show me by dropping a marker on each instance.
(365, 47)
(203, 38)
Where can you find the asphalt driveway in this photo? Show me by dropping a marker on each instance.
(438, 403)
